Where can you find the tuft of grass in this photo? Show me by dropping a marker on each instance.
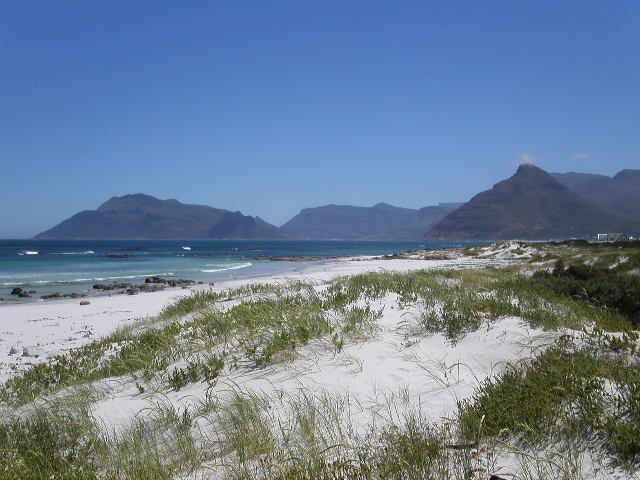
(55, 441)
(572, 393)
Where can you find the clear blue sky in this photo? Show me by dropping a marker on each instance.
(270, 107)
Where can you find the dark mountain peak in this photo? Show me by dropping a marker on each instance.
(529, 178)
(531, 204)
(146, 217)
(531, 173)
(627, 174)
(528, 168)
(382, 205)
(129, 200)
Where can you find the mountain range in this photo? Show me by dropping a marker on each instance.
(620, 193)
(380, 222)
(532, 204)
(142, 216)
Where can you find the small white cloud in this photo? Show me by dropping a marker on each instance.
(524, 158)
(580, 156)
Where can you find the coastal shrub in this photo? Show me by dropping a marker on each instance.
(599, 286)
(502, 294)
(588, 393)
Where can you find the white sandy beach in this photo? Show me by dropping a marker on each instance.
(50, 327)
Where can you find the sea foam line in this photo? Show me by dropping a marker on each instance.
(88, 252)
(232, 267)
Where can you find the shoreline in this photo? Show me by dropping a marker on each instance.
(114, 287)
(75, 266)
(42, 329)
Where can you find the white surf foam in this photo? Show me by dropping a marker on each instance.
(231, 267)
(88, 252)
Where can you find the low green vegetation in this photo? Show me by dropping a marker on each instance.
(588, 393)
(601, 286)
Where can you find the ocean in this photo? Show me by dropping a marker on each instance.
(65, 266)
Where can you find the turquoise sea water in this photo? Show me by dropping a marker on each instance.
(64, 266)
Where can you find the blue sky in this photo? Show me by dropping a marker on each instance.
(270, 107)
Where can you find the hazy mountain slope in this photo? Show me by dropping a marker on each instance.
(529, 205)
(146, 217)
(419, 223)
(380, 222)
(620, 193)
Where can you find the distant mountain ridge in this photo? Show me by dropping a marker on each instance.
(532, 205)
(620, 193)
(379, 222)
(140, 216)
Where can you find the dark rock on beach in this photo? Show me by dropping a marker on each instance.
(16, 291)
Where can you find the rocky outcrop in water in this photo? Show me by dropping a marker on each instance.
(151, 284)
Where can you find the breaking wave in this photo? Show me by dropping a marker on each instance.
(231, 267)
(88, 252)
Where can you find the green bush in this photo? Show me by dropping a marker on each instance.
(577, 394)
(600, 286)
